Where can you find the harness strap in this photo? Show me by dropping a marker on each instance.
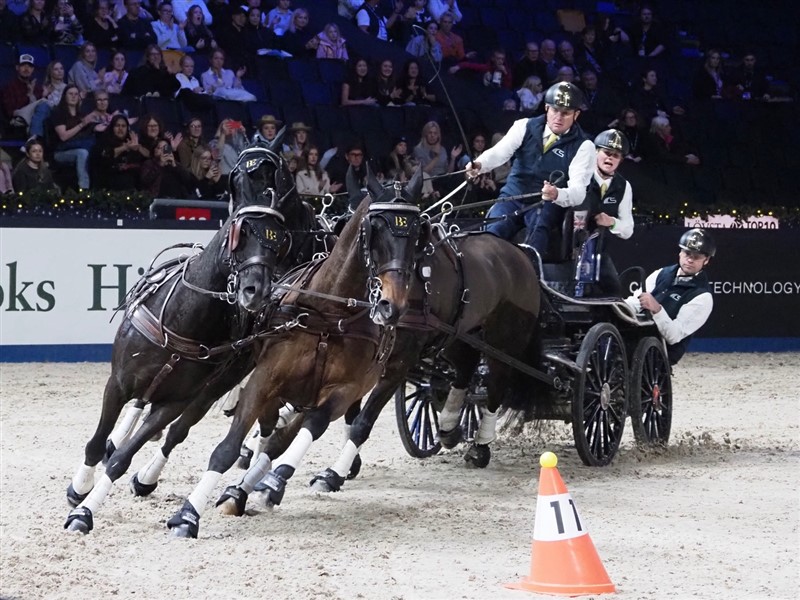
(168, 367)
(319, 363)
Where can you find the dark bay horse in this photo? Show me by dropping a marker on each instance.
(184, 339)
(344, 309)
(475, 283)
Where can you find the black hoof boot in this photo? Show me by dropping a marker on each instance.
(142, 489)
(185, 523)
(452, 438)
(478, 456)
(73, 497)
(327, 481)
(245, 457)
(275, 484)
(110, 449)
(239, 497)
(355, 468)
(80, 520)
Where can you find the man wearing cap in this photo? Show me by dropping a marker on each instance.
(540, 146)
(21, 94)
(231, 36)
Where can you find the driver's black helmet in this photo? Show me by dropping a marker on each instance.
(564, 95)
(613, 139)
(698, 240)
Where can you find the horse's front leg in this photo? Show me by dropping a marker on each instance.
(465, 359)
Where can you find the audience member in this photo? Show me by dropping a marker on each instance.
(665, 148)
(53, 89)
(115, 76)
(119, 9)
(198, 35)
(102, 116)
(224, 83)
(529, 64)
(162, 177)
(399, 165)
(151, 130)
(74, 139)
(438, 8)
(21, 95)
(183, 12)
(192, 139)
(279, 19)
(547, 56)
(434, 159)
(208, 183)
(300, 41)
(601, 104)
(170, 35)
(451, 43)
(258, 38)
(152, 78)
(649, 100)
(36, 27)
(268, 128)
(347, 8)
(9, 23)
(590, 51)
(707, 82)
(101, 30)
(311, 178)
(67, 29)
(494, 73)
(412, 86)
(6, 176)
(565, 74)
(749, 80)
(84, 72)
(425, 44)
(230, 37)
(631, 125)
(483, 186)
(135, 32)
(298, 142)
(388, 92)
(230, 141)
(566, 58)
(32, 173)
(370, 20)
(331, 43)
(647, 37)
(359, 89)
(413, 16)
(119, 160)
(339, 164)
(530, 95)
(191, 92)
(220, 13)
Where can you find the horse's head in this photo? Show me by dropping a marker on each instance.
(388, 241)
(260, 187)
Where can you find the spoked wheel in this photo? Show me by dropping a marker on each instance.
(651, 393)
(600, 401)
(418, 402)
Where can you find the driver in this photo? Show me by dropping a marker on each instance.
(680, 298)
(539, 146)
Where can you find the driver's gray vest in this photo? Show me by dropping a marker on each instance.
(530, 168)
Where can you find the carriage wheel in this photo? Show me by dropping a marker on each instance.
(600, 401)
(651, 393)
(417, 406)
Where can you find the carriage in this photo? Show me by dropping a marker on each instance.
(598, 363)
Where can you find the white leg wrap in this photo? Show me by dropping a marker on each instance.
(255, 473)
(346, 458)
(256, 444)
(98, 494)
(201, 495)
(285, 416)
(83, 481)
(486, 431)
(150, 473)
(296, 450)
(451, 412)
(233, 398)
(346, 432)
(123, 431)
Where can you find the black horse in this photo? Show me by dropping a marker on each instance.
(343, 311)
(188, 332)
(478, 284)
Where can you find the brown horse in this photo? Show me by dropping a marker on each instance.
(340, 315)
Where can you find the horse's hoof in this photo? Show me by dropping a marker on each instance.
(233, 501)
(110, 449)
(73, 497)
(80, 520)
(452, 438)
(142, 489)
(478, 456)
(327, 481)
(185, 523)
(355, 468)
(276, 486)
(245, 456)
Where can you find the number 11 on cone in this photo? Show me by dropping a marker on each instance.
(557, 519)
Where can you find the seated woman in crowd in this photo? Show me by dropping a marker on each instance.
(67, 29)
(224, 83)
(707, 83)
(388, 91)
(631, 125)
(665, 148)
(268, 127)
(38, 112)
(73, 133)
(151, 131)
(163, 177)
(208, 182)
(191, 92)
(434, 159)
(152, 78)
(649, 100)
(399, 164)
(279, 19)
(169, 34)
(101, 30)
(32, 173)
(300, 41)
(102, 116)
(192, 140)
(84, 72)
(258, 38)
(331, 43)
(425, 43)
(115, 76)
(530, 94)
(311, 178)
(198, 35)
(412, 86)
(359, 88)
(298, 142)
(118, 158)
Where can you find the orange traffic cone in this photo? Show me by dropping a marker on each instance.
(564, 561)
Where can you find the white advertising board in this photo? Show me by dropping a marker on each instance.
(60, 286)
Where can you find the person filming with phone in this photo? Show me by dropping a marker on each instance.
(163, 177)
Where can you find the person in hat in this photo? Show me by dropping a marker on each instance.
(21, 95)
(540, 145)
(679, 296)
(399, 165)
(298, 142)
(268, 127)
